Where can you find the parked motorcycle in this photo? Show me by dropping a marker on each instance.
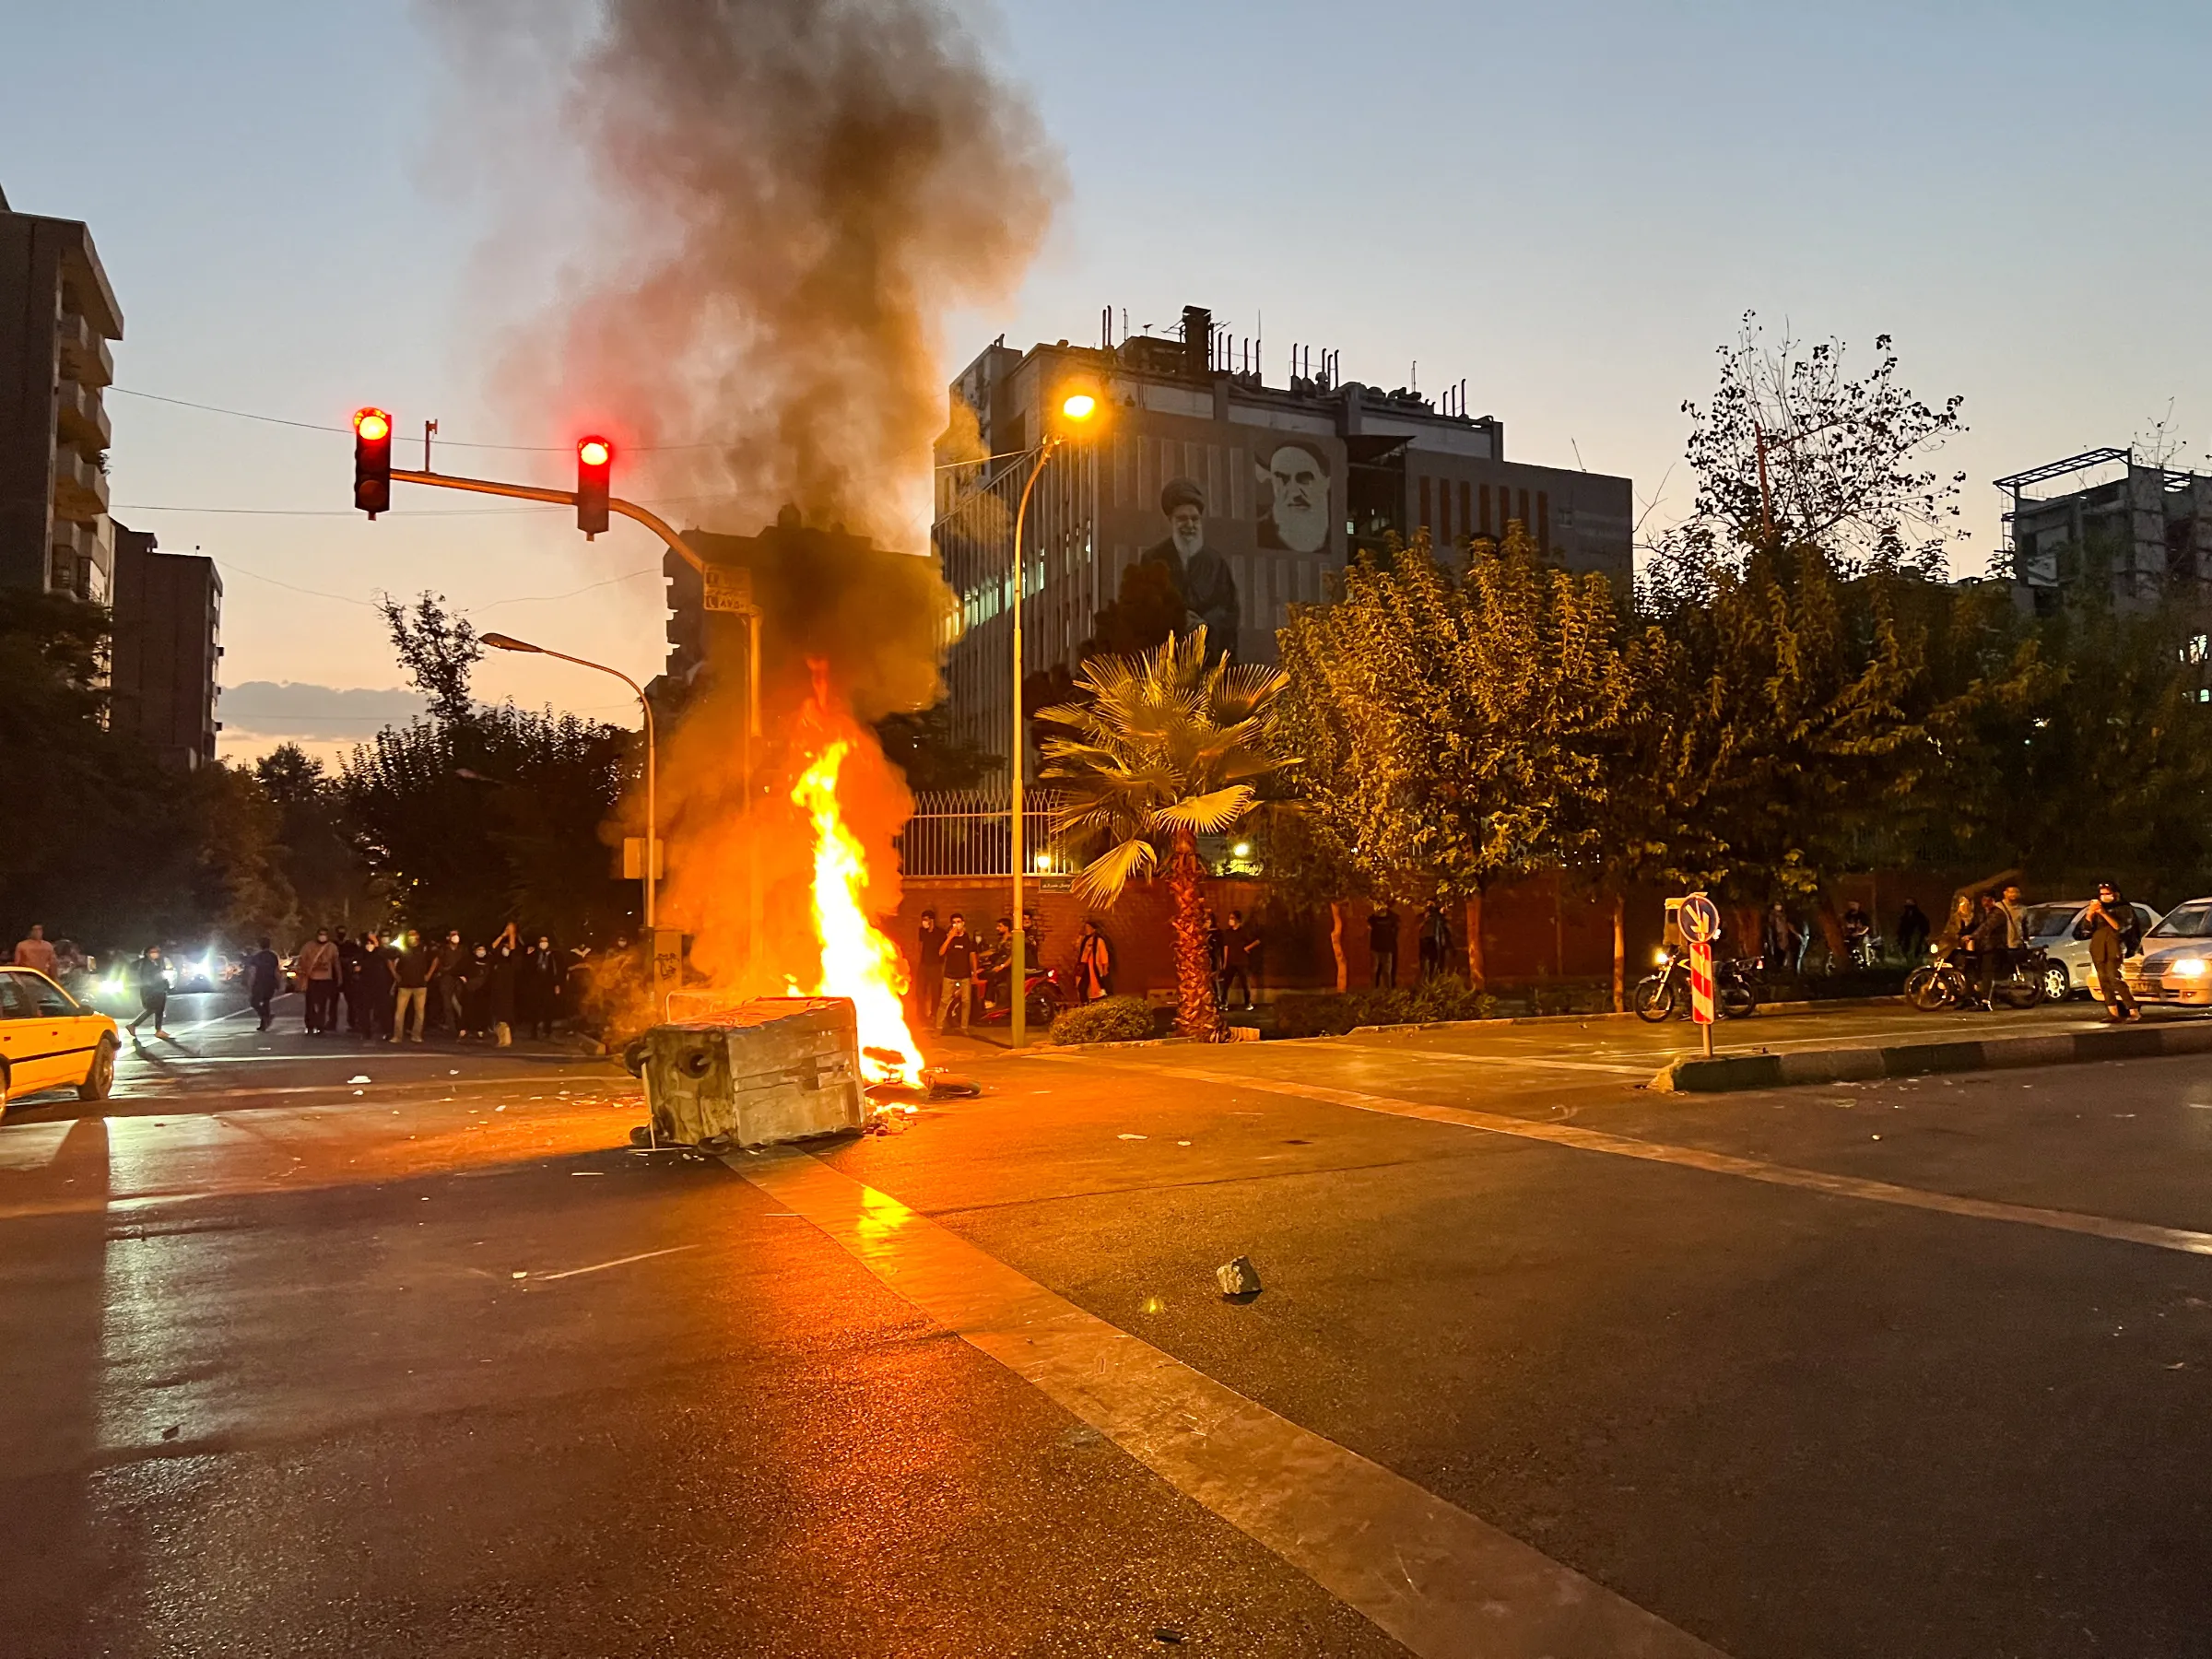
(1950, 982)
(1047, 1000)
(1661, 997)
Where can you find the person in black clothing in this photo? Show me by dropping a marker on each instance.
(449, 968)
(412, 969)
(262, 973)
(349, 979)
(1913, 933)
(1992, 955)
(540, 988)
(997, 963)
(1236, 948)
(2115, 933)
(149, 975)
(929, 982)
(1383, 943)
(373, 989)
(500, 976)
(956, 958)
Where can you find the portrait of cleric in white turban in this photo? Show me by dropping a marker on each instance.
(1202, 576)
(1294, 498)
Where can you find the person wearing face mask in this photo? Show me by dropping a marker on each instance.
(502, 970)
(476, 982)
(542, 971)
(448, 966)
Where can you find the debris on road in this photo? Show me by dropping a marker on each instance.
(1238, 1278)
(364, 1079)
(1120, 1137)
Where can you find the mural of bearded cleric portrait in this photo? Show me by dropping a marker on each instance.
(1292, 496)
(1202, 576)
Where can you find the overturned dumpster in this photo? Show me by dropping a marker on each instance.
(777, 1068)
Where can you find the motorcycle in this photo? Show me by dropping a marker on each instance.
(1946, 982)
(1661, 995)
(1046, 1001)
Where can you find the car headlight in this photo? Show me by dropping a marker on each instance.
(2187, 967)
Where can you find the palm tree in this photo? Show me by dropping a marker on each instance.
(1164, 747)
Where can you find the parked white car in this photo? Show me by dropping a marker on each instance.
(2067, 971)
(2176, 963)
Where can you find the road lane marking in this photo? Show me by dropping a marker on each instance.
(1443, 1582)
(1462, 1056)
(2181, 1238)
(546, 1278)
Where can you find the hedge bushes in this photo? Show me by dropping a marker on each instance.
(1332, 1014)
(1112, 1019)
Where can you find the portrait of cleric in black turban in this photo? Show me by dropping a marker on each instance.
(1293, 498)
(1202, 576)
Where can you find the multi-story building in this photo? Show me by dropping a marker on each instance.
(1255, 493)
(57, 314)
(168, 649)
(2104, 518)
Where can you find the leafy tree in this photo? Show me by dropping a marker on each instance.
(1793, 452)
(327, 874)
(1459, 722)
(1164, 749)
(472, 824)
(438, 650)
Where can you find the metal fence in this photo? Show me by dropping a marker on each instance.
(964, 834)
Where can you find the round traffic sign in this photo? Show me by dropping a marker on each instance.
(1700, 920)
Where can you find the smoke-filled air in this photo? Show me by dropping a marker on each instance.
(784, 202)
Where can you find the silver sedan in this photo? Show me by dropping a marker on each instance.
(2176, 962)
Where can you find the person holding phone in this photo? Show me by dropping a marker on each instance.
(2114, 933)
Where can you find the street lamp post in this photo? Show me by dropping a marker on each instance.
(500, 641)
(1076, 407)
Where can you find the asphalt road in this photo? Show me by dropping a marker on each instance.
(1542, 1362)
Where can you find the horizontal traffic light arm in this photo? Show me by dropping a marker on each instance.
(567, 498)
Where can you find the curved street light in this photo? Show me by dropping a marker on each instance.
(1075, 408)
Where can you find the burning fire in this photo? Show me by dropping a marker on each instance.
(858, 962)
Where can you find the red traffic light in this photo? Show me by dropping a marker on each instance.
(372, 461)
(595, 467)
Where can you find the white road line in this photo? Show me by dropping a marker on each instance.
(1445, 1583)
(31, 1146)
(546, 1278)
(1464, 1056)
(2181, 1238)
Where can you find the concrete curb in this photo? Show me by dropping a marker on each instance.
(1725, 1073)
(1527, 1020)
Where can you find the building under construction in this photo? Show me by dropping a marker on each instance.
(2106, 520)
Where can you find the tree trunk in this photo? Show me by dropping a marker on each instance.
(1621, 953)
(1336, 941)
(1195, 1012)
(1477, 973)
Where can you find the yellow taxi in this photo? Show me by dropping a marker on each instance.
(48, 1039)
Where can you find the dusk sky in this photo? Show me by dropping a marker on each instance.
(1568, 206)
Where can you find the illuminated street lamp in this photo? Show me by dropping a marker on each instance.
(500, 641)
(1075, 408)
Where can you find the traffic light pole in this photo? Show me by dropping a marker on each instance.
(676, 544)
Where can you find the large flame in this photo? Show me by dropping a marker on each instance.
(858, 962)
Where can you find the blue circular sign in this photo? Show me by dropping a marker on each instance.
(1700, 919)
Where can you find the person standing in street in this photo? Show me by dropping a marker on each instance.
(1913, 933)
(1992, 956)
(349, 982)
(541, 977)
(33, 951)
(2114, 933)
(447, 969)
(955, 960)
(317, 970)
(263, 973)
(1094, 963)
(499, 992)
(929, 983)
(374, 990)
(413, 972)
(1235, 947)
(1382, 945)
(149, 977)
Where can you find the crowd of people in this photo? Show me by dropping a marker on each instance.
(398, 987)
